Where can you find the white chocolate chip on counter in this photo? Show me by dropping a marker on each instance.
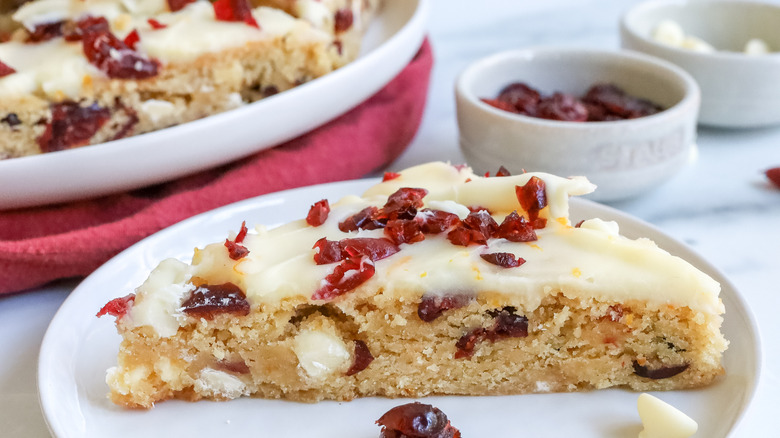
(662, 420)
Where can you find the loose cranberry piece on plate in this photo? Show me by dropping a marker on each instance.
(433, 306)
(72, 125)
(362, 360)
(209, 300)
(416, 420)
(318, 213)
(117, 307)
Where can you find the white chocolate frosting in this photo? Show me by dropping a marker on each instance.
(58, 69)
(591, 261)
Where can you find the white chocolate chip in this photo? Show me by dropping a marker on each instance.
(756, 46)
(662, 420)
(319, 353)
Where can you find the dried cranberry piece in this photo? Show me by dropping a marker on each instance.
(403, 204)
(156, 25)
(500, 104)
(416, 420)
(236, 251)
(362, 360)
(342, 20)
(508, 324)
(466, 344)
(404, 231)
(478, 208)
(5, 69)
(659, 373)
(774, 175)
(177, 5)
(76, 31)
(433, 306)
(207, 301)
(241, 233)
(330, 251)
(318, 213)
(132, 39)
(617, 103)
(72, 125)
(515, 228)
(533, 198)
(342, 280)
(521, 97)
(365, 219)
(110, 54)
(503, 171)
(12, 119)
(235, 366)
(118, 307)
(477, 228)
(45, 32)
(436, 221)
(234, 10)
(562, 106)
(503, 259)
(390, 176)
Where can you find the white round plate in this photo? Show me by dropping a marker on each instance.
(78, 348)
(391, 41)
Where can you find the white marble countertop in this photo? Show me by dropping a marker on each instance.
(721, 205)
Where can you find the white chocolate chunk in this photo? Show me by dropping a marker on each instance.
(669, 32)
(697, 45)
(217, 383)
(319, 353)
(756, 46)
(662, 420)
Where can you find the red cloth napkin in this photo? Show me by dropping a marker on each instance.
(41, 244)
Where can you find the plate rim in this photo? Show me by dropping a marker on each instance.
(64, 162)
(357, 186)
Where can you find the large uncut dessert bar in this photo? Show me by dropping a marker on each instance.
(435, 281)
(81, 72)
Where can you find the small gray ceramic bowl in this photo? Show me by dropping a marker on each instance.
(737, 90)
(624, 158)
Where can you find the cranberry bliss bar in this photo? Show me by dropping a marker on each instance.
(82, 72)
(435, 281)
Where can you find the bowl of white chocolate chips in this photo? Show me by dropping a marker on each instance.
(731, 48)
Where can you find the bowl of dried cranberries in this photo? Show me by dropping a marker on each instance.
(731, 48)
(625, 120)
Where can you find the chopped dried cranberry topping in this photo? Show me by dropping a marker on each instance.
(416, 420)
(234, 10)
(209, 300)
(156, 25)
(235, 366)
(236, 251)
(500, 104)
(72, 125)
(5, 69)
(365, 219)
(241, 233)
(503, 259)
(579, 224)
(343, 19)
(132, 39)
(515, 228)
(403, 204)
(503, 171)
(506, 324)
(318, 213)
(363, 358)
(522, 98)
(45, 32)
(404, 231)
(436, 221)
(117, 307)
(109, 53)
(478, 208)
(476, 228)
(331, 251)
(177, 5)
(774, 175)
(562, 106)
(659, 373)
(433, 306)
(533, 198)
(390, 176)
(342, 279)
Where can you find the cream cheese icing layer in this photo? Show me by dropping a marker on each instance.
(591, 261)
